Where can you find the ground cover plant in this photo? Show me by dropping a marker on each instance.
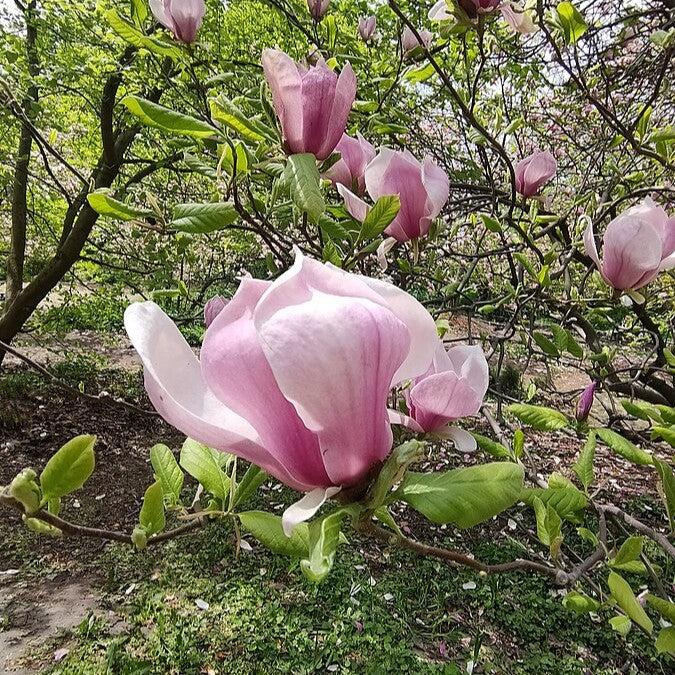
(399, 279)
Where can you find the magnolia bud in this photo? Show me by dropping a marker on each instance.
(213, 308)
(367, 25)
(585, 402)
(139, 538)
(25, 490)
(318, 8)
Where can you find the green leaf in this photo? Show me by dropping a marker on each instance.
(247, 127)
(518, 443)
(665, 641)
(565, 341)
(491, 447)
(664, 607)
(465, 496)
(539, 417)
(380, 217)
(267, 529)
(631, 549)
(583, 467)
(105, 205)
(664, 433)
(567, 501)
(333, 229)
(68, 469)
(385, 517)
(302, 176)
(134, 37)
(331, 253)
(421, 74)
(549, 526)
(139, 11)
(623, 594)
(580, 603)
(203, 464)
(587, 535)
(571, 22)
(622, 446)
(667, 491)
(545, 345)
(621, 624)
(168, 472)
(393, 470)
(155, 115)
(324, 537)
(151, 518)
(203, 218)
(251, 481)
(492, 224)
(643, 411)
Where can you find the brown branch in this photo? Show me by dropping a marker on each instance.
(72, 390)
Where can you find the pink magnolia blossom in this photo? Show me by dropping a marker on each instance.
(312, 103)
(182, 17)
(473, 7)
(212, 308)
(410, 42)
(440, 11)
(637, 245)
(293, 374)
(454, 386)
(350, 169)
(517, 18)
(318, 8)
(367, 26)
(586, 402)
(534, 171)
(422, 187)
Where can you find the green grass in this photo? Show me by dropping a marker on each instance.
(374, 614)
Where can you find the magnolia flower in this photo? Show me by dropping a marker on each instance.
(473, 7)
(454, 386)
(585, 402)
(293, 374)
(534, 171)
(367, 25)
(182, 17)
(318, 8)
(212, 308)
(312, 103)
(423, 189)
(440, 11)
(517, 18)
(349, 170)
(637, 245)
(410, 42)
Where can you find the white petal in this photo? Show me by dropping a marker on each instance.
(305, 508)
(463, 440)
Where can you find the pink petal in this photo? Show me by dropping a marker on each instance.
(345, 93)
(469, 361)
(174, 383)
(590, 246)
(396, 417)
(356, 207)
(235, 368)
(631, 252)
(437, 186)
(187, 17)
(285, 81)
(318, 94)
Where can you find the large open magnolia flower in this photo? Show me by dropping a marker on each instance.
(294, 374)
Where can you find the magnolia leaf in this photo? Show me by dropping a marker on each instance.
(152, 518)
(583, 467)
(465, 496)
(667, 484)
(380, 217)
(155, 115)
(105, 205)
(571, 21)
(622, 446)
(539, 417)
(250, 482)
(664, 607)
(665, 641)
(580, 603)
(267, 529)
(203, 218)
(567, 501)
(324, 537)
(491, 447)
(625, 598)
(621, 624)
(666, 434)
(249, 128)
(134, 37)
(202, 463)
(302, 176)
(630, 550)
(168, 472)
(68, 469)
(643, 411)
(545, 345)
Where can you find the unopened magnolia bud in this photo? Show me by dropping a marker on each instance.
(317, 8)
(25, 490)
(139, 538)
(212, 308)
(585, 402)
